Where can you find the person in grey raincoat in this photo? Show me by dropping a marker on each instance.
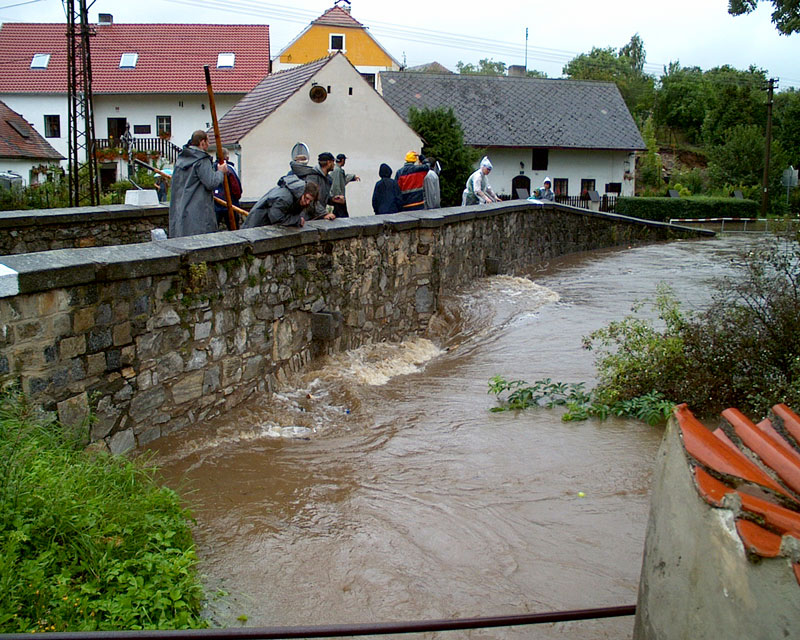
(289, 204)
(319, 176)
(191, 205)
(546, 193)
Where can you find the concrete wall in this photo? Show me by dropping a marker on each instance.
(159, 336)
(697, 581)
(29, 231)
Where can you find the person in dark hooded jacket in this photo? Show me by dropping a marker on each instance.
(289, 204)
(386, 197)
(191, 205)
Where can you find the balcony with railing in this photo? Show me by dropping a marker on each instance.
(145, 149)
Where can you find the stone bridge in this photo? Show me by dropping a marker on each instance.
(156, 336)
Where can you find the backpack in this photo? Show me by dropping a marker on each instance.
(235, 185)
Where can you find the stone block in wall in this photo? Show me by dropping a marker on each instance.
(209, 247)
(122, 442)
(73, 411)
(145, 402)
(187, 388)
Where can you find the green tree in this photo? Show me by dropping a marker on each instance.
(787, 124)
(625, 68)
(681, 100)
(444, 140)
(740, 161)
(785, 17)
(650, 169)
(734, 98)
(485, 67)
(488, 67)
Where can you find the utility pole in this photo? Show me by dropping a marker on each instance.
(526, 50)
(84, 186)
(765, 181)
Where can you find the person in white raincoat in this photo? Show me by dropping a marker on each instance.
(478, 188)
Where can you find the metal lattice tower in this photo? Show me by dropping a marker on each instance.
(84, 186)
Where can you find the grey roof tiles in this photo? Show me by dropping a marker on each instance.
(505, 111)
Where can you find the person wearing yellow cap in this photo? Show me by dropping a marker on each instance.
(411, 178)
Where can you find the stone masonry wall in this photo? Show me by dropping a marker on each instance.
(47, 229)
(161, 335)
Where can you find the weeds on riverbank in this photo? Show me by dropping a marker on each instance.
(580, 404)
(87, 541)
(742, 351)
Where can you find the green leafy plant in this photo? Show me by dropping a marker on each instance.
(87, 541)
(581, 405)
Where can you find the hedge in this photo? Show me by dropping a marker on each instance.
(662, 209)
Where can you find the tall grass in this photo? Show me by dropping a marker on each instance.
(87, 541)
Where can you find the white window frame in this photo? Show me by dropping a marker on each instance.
(128, 60)
(331, 36)
(40, 60)
(226, 60)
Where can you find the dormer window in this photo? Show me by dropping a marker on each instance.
(128, 60)
(40, 60)
(336, 42)
(226, 60)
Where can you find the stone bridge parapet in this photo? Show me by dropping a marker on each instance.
(157, 336)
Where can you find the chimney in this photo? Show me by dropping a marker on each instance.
(105, 19)
(517, 71)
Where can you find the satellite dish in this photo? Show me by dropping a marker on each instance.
(317, 93)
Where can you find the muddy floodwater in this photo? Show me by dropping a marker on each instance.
(379, 487)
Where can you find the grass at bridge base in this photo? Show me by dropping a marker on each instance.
(88, 541)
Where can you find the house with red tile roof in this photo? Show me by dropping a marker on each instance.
(337, 31)
(145, 77)
(22, 149)
(326, 105)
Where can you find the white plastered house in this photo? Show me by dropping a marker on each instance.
(578, 133)
(353, 119)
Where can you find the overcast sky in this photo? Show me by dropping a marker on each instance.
(693, 32)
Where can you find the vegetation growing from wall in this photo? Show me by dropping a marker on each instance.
(87, 541)
(742, 351)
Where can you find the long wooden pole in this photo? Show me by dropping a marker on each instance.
(220, 158)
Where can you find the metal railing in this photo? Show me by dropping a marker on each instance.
(166, 149)
(342, 630)
(756, 225)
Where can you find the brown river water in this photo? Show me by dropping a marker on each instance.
(380, 488)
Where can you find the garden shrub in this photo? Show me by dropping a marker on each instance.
(87, 541)
(664, 209)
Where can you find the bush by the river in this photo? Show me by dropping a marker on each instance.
(87, 541)
(663, 209)
(742, 351)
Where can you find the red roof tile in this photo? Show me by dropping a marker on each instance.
(749, 453)
(19, 140)
(171, 57)
(338, 17)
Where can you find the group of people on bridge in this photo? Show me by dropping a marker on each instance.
(306, 192)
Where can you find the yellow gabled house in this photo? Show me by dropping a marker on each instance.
(333, 32)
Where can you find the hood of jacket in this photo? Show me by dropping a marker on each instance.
(303, 170)
(294, 184)
(385, 171)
